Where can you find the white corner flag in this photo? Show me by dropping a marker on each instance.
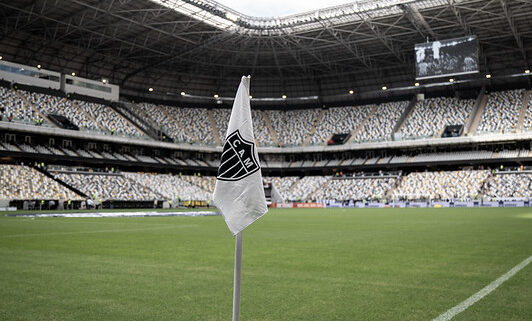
(239, 192)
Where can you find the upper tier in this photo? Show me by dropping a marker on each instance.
(500, 112)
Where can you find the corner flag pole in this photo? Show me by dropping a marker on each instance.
(238, 276)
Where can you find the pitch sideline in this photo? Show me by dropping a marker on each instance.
(452, 312)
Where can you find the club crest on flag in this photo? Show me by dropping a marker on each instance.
(238, 158)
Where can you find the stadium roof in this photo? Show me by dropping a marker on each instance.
(201, 47)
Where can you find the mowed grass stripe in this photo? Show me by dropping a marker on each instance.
(338, 264)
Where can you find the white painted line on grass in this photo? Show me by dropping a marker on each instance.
(102, 231)
(452, 312)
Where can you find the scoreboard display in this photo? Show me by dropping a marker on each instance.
(447, 57)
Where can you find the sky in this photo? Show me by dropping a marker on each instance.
(278, 8)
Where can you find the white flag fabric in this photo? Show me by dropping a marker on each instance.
(239, 192)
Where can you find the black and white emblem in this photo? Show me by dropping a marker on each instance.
(238, 158)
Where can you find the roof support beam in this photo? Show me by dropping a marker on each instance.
(515, 33)
(417, 20)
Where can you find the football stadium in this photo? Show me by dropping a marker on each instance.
(296, 160)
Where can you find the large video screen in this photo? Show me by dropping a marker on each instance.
(447, 57)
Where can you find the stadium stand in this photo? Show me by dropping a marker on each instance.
(360, 188)
(173, 187)
(527, 123)
(339, 121)
(443, 185)
(184, 125)
(293, 127)
(19, 182)
(206, 183)
(13, 107)
(283, 185)
(48, 104)
(501, 112)
(260, 128)
(430, 116)
(108, 186)
(509, 185)
(304, 188)
(221, 117)
(107, 118)
(380, 124)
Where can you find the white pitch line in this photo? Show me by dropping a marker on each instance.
(452, 312)
(101, 231)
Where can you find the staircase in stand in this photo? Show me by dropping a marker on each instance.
(138, 116)
(35, 109)
(313, 129)
(363, 122)
(404, 117)
(524, 108)
(478, 115)
(214, 128)
(65, 184)
(273, 133)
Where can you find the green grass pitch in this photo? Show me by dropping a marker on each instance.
(309, 264)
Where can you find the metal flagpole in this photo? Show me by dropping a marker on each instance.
(238, 276)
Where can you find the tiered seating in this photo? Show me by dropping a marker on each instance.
(171, 187)
(261, 131)
(185, 125)
(339, 121)
(292, 127)
(221, 116)
(527, 124)
(61, 106)
(501, 112)
(464, 184)
(430, 116)
(379, 126)
(282, 184)
(304, 188)
(193, 122)
(108, 187)
(25, 183)
(509, 185)
(206, 183)
(158, 117)
(14, 106)
(108, 118)
(345, 189)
